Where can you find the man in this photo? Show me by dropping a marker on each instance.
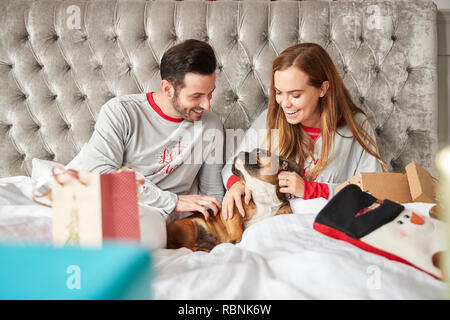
(163, 134)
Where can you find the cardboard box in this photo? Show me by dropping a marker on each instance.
(421, 184)
(416, 185)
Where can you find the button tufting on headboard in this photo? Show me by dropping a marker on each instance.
(55, 75)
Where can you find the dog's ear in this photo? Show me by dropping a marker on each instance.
(284, 165)
(237, 172)
(289, 165)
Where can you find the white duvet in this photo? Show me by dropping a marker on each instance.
(281, 257)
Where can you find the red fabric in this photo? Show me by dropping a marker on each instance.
(315, 190)
(336, 234)
(158, 109)
(120, 215)
(232, 180)
(314, 133)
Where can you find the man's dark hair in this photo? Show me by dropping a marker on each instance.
(188, 56)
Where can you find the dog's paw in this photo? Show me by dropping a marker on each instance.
(286, 209)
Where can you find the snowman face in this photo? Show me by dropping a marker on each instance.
(409, 222)
(412, 237)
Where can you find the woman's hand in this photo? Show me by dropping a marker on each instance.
(291, 182)
(194, 202)
(234, 195)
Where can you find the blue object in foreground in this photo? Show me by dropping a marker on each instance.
(117, 271)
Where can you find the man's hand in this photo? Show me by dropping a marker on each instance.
(194, 202)
(234, 195)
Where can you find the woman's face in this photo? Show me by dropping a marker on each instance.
(297, 98)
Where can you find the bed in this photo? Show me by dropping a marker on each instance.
(61, 61)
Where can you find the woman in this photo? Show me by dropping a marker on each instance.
(318, 126)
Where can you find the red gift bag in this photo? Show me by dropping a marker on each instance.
(89, 207)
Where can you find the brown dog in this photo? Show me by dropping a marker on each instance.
(259, 171)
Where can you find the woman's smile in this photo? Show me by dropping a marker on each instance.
(290, 113)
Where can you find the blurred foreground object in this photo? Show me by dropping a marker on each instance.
(117, 271)
(443, 165)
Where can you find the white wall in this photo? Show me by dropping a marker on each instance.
(442, 4)
(443, 26)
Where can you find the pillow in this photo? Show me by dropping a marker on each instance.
(43, 168)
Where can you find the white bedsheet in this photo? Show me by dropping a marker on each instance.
(278, 258)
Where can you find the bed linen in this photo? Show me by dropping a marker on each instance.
(281, 257)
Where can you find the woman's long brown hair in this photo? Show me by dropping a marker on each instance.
(293, 142)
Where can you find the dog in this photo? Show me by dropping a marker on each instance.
(259, 171)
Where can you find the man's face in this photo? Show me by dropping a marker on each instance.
(191, 100)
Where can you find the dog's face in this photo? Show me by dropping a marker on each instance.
(260, 165)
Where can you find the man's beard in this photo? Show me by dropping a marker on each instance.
(183, 111)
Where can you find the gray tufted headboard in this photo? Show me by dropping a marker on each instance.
(60, 61)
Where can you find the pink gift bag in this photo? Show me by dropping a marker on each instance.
(89, 208)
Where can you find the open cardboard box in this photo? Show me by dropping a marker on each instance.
(416, 185)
